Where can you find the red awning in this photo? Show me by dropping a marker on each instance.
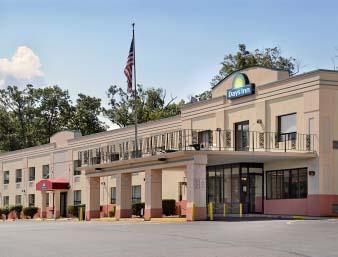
(52, 184)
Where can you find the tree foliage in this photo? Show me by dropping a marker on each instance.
(268, 57)
(151, 104)
(30, 116)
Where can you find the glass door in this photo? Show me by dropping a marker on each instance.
(242, 139)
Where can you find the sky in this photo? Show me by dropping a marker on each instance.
(82, 46)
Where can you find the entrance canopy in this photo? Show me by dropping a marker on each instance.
(52, 184)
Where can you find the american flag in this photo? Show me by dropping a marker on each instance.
(128, 70)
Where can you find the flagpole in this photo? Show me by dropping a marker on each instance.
(135, 95)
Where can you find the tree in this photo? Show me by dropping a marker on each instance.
(269, 57)
(17, 116)
(54, 111)
(85, 115)
(151, 104)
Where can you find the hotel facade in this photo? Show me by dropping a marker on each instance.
(266, 143)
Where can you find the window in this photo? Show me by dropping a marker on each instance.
(18, 176)
(113, 195)
(18, 200)
(6, 177)
(45, 171)
(5, 201)
(77, 197)
(286, 184)
(287, 127)
(31, 200)
(136, 194)
(76, 164)
(47, 199)
(31, 173)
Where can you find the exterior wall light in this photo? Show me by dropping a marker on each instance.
(312, 173)
(259, 121)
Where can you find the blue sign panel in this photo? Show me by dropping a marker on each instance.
(239, 92)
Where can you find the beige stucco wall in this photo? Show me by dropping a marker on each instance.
(313, 96)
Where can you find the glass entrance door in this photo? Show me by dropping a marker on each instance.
(235, 184)
(242, 139)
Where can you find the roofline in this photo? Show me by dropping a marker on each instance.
(255, 66)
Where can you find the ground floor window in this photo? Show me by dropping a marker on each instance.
(136, 194)
(286, 184)
(113, 195)
(5, 200)
(31, 200)
(77, 197)
(18, 200)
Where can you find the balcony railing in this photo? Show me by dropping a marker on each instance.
(198, 140)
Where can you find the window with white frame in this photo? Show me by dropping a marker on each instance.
(113, 195)
(77, 197)
(287, 129)
(6, 177)
(18, 176)
(31, 174)
(5, 201)
(31, 200)
(136, 194)
(18, 200)
(45, 171)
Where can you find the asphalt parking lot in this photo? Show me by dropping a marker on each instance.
(198, 239)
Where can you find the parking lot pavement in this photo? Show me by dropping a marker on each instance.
(280, 238)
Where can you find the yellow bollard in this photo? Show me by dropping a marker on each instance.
(225, 210)
(241, 210)
(81, 214)
(211, 211)
(193, 212)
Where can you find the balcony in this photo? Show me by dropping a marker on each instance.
(198, 140)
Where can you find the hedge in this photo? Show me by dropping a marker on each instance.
(74, 210)
(137, 207)
(30, 211)
(169, 207)
(17, 209)
(5, 211)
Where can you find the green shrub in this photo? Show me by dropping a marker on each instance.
(30, 211)
(17, 209)
(112, 212)
(169, 207)
(137, 207)
(74, 210)
(5, 211)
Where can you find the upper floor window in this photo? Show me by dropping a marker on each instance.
(45, 171)
(76, 164)
(18, 176)
(287, 127)
(77, 197)
(136, 194)
(31, 173)
(6, 177)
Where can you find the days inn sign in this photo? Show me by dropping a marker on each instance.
(240, 87)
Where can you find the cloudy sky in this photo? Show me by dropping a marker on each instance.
(83, 45)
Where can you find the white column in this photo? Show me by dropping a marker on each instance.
(123, 196)
(153, 194)
(196, 183)
(92, 199)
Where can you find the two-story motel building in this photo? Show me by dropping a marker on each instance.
(265, 141)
